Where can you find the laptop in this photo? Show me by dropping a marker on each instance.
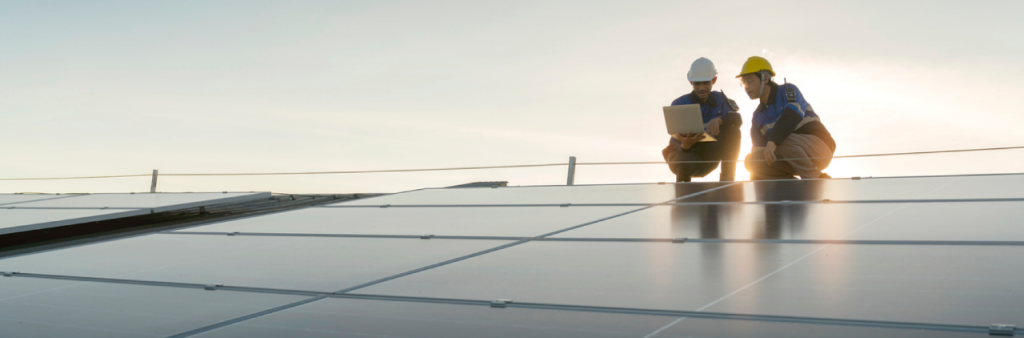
(685, 119)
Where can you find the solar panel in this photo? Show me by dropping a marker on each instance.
(958, 285)
(911, 257)
(31, 307)
(448, 221)
(375, 318)
(8, 199)
(293, 263)
(18, 220)
(33, 212)
(579, 194)
(966, 221)
(740, 221)
(664, 276)
(867, 190)
(158, 202)
(356, 317)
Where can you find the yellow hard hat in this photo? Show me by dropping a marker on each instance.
(756, 64)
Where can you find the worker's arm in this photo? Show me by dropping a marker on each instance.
(732, 118)
(769, 153)
(786, 123)
(712, 127)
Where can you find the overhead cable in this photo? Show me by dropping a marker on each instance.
(501, 166)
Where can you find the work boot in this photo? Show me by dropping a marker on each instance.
(824, 175)
(682, 178)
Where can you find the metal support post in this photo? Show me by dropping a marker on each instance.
(572, 170)
(152, 186)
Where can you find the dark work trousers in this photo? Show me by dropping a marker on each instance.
(726, 150)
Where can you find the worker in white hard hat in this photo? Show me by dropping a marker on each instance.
(721, 120)
(788, 136)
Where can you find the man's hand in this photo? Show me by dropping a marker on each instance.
(769, 153)
(688, 140)
(713, 126)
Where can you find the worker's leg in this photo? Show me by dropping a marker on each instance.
(808, 155)
(729, 138)
(699, 153)
(760, 170)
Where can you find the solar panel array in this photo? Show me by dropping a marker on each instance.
(19, 212)
(908, 257)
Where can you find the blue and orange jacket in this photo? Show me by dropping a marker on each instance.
(785, 113)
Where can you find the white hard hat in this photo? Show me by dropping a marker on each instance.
(701, 70)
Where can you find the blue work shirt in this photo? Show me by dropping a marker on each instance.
(781, 116)
(716, 106)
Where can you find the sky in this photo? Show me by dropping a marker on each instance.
(124, 87)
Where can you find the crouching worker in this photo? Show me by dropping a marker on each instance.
(721, 121)
(789, 138)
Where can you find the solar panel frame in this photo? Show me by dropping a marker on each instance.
(57, 211)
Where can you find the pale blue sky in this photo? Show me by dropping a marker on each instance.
(113, 87)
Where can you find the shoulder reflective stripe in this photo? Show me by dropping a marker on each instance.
(796, 107)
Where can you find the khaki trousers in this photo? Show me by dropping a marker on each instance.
(797, 148)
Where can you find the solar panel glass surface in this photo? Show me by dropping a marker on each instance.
(374, 318)
(983, 186)
(723, 328)
(964, 221)
(951, 284)
(33, 307)
(619, 274)
(475, 221)
(743, 221)
(158, 201)
(298, 263)
(579, 194)
(873, 189)
(9, 199)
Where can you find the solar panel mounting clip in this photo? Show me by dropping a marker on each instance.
(212, 286)
(426, 236)
(8, 274)
(385, 205)
(500, 303)
(565, 205)
(679, 240)
(1001, 329)
(855, 178)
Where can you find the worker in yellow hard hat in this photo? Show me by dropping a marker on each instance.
(789, 138)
